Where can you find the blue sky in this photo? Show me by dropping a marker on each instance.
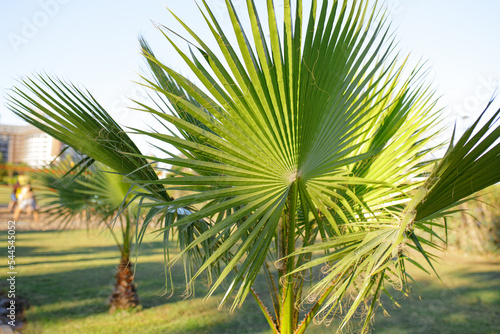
(94, 43)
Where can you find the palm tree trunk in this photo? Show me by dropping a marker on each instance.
(124, 295)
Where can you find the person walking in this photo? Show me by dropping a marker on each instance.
(26, 201)
(13, 196)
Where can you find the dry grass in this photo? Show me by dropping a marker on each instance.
(476, 229)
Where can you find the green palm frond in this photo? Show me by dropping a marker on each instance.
(62, 199)
(99, 192)
(74, 117)
(468, 166)
(323, 110)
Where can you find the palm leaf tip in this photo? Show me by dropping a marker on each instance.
(469, 165)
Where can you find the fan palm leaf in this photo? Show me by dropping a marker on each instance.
(74, 117)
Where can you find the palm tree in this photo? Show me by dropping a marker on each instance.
(98, 194)
(306, 147)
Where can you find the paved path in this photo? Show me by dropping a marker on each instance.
(26, 223)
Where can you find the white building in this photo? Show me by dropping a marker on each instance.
(29, 145)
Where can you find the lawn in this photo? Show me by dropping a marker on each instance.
(67, 277)
(5, 192)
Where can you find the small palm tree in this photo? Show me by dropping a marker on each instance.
(98, 194)
(306, 147)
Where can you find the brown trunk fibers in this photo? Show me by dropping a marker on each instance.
(124, 295)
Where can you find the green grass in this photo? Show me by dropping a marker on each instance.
(67, 277)
(5, 192)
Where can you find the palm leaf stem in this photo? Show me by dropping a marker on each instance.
(287, 317)
(273, 291)
(272, 322)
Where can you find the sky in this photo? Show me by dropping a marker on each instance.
(95, 44)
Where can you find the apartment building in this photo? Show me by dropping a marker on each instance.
(27, 144)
